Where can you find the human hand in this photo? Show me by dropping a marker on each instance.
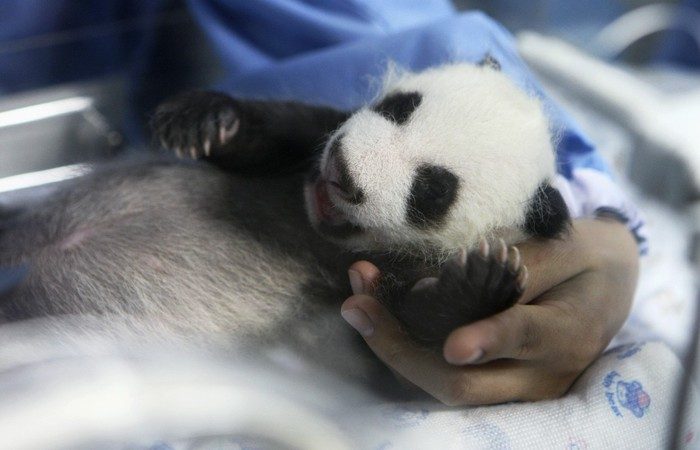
(579, 293)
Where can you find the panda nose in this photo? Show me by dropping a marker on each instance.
(338, 176)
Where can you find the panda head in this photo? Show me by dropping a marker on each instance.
(444, 157)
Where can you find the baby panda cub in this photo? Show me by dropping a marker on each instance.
(256, 255)
(432, 182)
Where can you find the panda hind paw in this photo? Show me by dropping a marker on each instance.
(471, 286)
(489, 279)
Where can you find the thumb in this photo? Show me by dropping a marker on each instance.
(370, 318)
(387, 339)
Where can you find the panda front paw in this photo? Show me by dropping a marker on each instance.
(471, 286)
(196, 124)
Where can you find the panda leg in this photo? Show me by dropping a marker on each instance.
(244, 136)
(470, 287)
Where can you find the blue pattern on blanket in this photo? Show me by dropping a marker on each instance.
(402, 417)
(489, 434)
(628, 394)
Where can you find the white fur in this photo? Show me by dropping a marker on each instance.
(473, 121)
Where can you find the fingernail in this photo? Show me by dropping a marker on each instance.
(474, 357)
(359, 321)
(356, 282)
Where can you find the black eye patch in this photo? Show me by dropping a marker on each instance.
(398, 107)
(433, 192)
(548, 215)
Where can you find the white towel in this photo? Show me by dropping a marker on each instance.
(625, 400)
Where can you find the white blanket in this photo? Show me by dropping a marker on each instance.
(625, 400)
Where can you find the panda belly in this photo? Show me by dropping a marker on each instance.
(181, 249)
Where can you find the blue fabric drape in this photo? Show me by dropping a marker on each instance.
(334, 53)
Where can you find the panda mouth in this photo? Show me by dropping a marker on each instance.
(327, 217)
(326, 210)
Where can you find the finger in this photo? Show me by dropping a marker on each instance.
(388, 341)
(497, 382)
(363, 277)
(577, 309)
(525, 332)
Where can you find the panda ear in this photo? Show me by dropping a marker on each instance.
(490, 62)
(547, 215)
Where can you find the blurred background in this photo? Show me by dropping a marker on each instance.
(582, 22)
